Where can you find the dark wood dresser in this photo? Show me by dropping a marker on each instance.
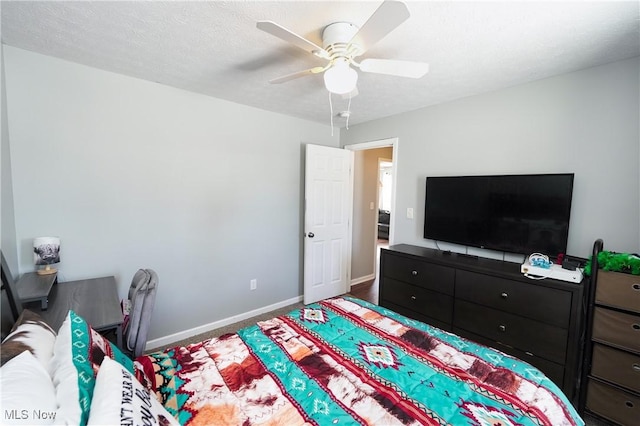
(612, 366)
(490, 302)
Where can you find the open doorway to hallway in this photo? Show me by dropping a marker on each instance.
(373, 201)
(368, 290)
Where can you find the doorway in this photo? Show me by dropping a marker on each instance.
(373, 205)
(385, 191)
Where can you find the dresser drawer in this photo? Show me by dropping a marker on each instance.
(432, 277)
(618, 328)
(527, 335)
(612, 403)
(429, 303)
(618, 290)
(619, 367)
(555, 372)
(416, 315)
(549, 305)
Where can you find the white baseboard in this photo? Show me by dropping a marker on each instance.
(362, 279)
(163, 342)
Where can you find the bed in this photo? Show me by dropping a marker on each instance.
(345, 361)
(341, 361)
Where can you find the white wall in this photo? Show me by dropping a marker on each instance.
(585, 122)
(132, 174)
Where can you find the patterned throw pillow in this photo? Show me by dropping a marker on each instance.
(119, 398)
(77, 355)
(29, 333)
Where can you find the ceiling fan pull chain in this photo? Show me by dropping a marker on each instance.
(331, 112)
(349, 111)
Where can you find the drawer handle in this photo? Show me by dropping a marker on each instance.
(636, 367)
(414, 273)
(413, 298)
(635, 286)
(502, 328)
(635, 326)
(504, 295)
(629, 404)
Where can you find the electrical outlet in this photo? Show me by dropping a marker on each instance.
(409, 213)
(253, 284)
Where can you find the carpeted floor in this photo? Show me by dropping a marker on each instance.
(232, 328)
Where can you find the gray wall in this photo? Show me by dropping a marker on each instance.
(132, 174)
(585, 122)
(365, 220)
(7, 221)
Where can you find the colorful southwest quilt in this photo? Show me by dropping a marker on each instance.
(343, 361)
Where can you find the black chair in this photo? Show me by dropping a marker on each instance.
(9, 316)
(9, 286)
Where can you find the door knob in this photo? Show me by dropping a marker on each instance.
(311, 235)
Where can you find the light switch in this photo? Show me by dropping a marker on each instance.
(409, 212)
(371, 206)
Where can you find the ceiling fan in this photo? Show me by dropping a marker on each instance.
(343, 42)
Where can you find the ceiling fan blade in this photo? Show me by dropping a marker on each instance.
(295, 75)
(385, 19)
(392, 67)
(291, 37)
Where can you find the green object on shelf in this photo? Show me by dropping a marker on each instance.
(616, 262)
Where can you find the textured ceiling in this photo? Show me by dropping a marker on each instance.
(214, 47)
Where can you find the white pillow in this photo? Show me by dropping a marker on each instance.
(77, 355)
(28, 396)
(119, 399)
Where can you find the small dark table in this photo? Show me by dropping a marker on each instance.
(95, 300)
(34, 287)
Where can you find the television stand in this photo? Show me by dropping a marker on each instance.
(468, 256)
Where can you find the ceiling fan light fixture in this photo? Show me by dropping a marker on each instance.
(340, 78)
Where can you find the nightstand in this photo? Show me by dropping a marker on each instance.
(33, 287)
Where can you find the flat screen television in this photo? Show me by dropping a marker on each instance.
(512, 213)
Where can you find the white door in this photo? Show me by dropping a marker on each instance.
(327, 232)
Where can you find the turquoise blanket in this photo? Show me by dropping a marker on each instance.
(344, 361)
